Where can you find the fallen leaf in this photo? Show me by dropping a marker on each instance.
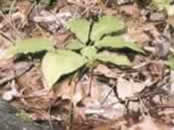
(127, 89)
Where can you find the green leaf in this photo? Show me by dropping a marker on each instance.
(117, 43)
(90, 52)
(59, 63)
(74, 45)
(106, 25)
(32, 45)
(161, 4)
(113, 58)
(81, 29)
(170, 62)
(164, 4)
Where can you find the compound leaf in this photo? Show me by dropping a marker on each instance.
(106, 25)
(59, 63)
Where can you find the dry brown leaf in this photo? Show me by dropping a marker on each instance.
(24, 6)
(127, 89)
(10, 70)
(53, 22)
(106, 127)
(137, 30)
(61, 39)
(170, 20)
(130, 10)
(148, 124)
(4, 44)
(31, 81)
(105, 71)
(69, 91)
(83, 2)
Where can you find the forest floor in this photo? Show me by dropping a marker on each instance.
(109, 97)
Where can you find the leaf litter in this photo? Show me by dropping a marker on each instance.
(109, 97)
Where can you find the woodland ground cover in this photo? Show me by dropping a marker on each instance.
(91, 64)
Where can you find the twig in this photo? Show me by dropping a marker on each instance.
(11, 7)
(144, 109)
(71, 115)
(27, 14)
(90, 83)
(106, 97)
(50, 121)
(9, 22)
(7, 38)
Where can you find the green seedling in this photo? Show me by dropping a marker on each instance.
(92, 42)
